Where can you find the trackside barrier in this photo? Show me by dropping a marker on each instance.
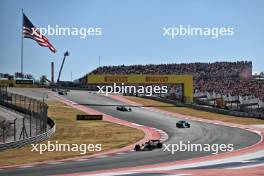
(31, 140)
(37, 114)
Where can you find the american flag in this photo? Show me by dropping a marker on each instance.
(30, 31)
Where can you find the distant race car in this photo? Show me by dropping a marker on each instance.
(149, 146)
(123, 108)
(182, 124)
(62, 92)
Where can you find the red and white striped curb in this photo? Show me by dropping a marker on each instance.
(259, 131)
(255, 170)
(163, 135)
(150, 133)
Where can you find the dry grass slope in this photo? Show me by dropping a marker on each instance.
(70, 131)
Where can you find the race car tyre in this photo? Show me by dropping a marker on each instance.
(150, 148)
(137, 148)
(159, 145)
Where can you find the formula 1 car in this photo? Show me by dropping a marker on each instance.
(62, 92)
(123, 108)
(182, 124)
(148, 146)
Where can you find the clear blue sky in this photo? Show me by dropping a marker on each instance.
(132, 33)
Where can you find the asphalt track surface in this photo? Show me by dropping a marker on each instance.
(199, 133)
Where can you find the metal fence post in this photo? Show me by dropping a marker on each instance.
(3, 134)
(37, 110)
(30, 124)
(15, 129)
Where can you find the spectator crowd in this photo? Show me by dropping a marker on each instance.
(232, 86)
(233, 78)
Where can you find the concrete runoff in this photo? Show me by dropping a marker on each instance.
(198, 133)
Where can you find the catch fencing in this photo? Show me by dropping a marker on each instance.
(33, 126)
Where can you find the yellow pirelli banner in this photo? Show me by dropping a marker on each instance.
(186, 80)
(7, 83)
(16, 83)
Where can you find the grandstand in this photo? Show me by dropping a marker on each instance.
(16, 80)
(242, 69)
(230, 81)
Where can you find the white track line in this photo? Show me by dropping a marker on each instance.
(102, 156)
(121, 153)
(27, 166)
(136, 124)
(58, 162)
(83, 159)
(250, 166)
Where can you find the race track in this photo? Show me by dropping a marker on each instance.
(199, 133)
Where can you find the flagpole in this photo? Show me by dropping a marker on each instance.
(22, 37)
